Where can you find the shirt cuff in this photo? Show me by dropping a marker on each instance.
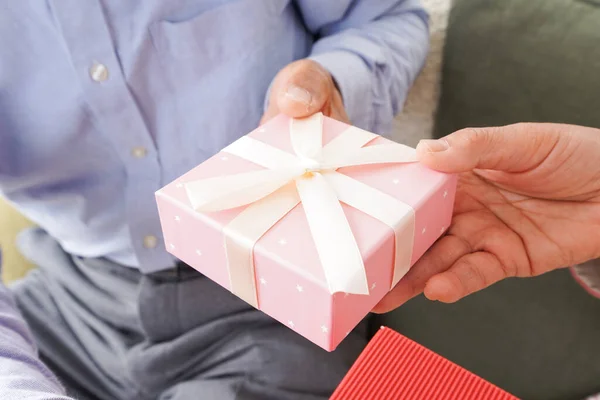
(588, 276)
(353, 78)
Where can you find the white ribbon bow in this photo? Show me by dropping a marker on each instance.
(309, 177)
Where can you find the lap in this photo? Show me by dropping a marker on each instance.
(208, 341)
(82, 327)
(271, 363)
(109, 335)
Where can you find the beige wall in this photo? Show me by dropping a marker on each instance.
(11, 222)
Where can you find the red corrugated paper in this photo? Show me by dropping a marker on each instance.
(393, 367)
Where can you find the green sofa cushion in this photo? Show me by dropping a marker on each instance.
(510, 61)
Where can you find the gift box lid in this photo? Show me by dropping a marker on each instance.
(394, 367)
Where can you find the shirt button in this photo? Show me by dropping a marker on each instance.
(150, 241)
(139, 152)
(99, 72)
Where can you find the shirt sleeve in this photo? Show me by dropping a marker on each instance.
(588, 276)
(22, 375)
(373, 49)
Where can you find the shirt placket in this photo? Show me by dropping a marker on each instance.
(96, 65)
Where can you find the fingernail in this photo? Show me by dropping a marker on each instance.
(298, 94)
(434, 146)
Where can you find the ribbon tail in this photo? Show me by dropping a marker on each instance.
(226, 192)
(242, 233)
(334, 241)
(400, 217)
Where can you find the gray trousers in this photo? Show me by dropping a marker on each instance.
(111, 333)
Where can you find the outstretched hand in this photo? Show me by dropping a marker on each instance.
(527, 202)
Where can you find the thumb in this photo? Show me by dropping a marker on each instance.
(512, 148)
(301, 89)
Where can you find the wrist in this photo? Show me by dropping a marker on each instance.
(352, 79)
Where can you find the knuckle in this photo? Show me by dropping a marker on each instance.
(509, 266)
(411, 289)
(473, 277)
(303, 66)
(313, 72)
(495, 240)
(476, 137)
(487, 146)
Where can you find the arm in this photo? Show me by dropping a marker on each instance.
(527, 203)
(374, 51)
(22, 375)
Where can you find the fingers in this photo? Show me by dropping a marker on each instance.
(513, 148)
(300, 90)
(471, 273)
(306, 90)
(442, 255)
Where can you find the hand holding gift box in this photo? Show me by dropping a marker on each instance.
(310, 220)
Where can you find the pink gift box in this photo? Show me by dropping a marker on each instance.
(290, 283)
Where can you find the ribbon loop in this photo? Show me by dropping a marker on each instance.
(261, 153)
(222, 193)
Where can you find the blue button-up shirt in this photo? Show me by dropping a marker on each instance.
(102, 102)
